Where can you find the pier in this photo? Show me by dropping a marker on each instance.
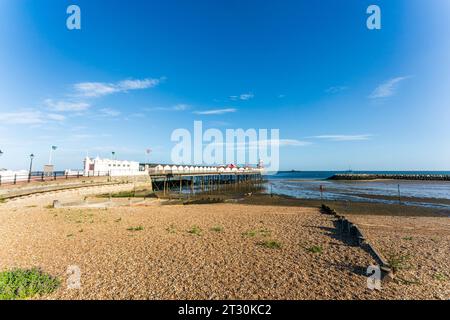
(191, 180)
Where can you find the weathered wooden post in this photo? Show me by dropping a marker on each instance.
(164, 185)
(151, 184)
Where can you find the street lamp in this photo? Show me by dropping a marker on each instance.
(31, 166)
(113, 155)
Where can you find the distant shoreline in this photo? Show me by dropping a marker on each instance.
(418, 177)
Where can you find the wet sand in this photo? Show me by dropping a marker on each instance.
(350, 208)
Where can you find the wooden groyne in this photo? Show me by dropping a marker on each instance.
(346, 228)
(360, 176)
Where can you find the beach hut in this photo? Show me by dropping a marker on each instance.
(221, 169)
(227, 170)
(180, 169)
(186, 169)
(174, 169)
(191, 169)
(167, 168)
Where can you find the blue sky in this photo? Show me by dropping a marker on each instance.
(342, 95)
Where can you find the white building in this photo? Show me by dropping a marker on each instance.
(102, 167)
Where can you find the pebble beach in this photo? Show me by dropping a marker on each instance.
(219, 251)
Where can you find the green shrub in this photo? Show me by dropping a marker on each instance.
(270, 244)
(398, 261)
(315, 249)
(171, 229)
(25, 284)
(195, 230)
(139, 228)
(440, 276)
(217, 229)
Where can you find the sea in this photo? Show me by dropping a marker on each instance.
(314, 185)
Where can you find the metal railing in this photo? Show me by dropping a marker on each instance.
(18, 178)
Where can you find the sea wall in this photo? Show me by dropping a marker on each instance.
(424, 177)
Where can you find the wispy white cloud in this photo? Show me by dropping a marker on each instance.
(135, 115)
(387, 88)
(56, 117)
(99, 89)
(243, 97)
(178, 107)
(63, 106)
(343, 137)
(293, 143)
(216, 111)
(108, 112)
(30, 117)
(181, 107)
(27, 117)
(336, 89)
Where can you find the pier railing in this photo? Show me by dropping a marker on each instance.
(20, 178)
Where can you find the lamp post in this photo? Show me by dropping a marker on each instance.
(113, 155)
(31, 166)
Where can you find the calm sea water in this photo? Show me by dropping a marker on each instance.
(307, 184)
